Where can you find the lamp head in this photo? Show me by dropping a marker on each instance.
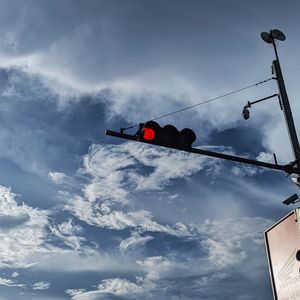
(278, 35)
(266, 37)
(274, 34)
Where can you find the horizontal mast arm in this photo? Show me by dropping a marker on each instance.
(290, 169)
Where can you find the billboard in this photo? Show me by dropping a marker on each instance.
(283, 250)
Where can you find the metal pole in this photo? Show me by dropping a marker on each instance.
(286, 107)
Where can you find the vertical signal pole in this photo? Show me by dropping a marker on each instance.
(270, 38)
(287, 111)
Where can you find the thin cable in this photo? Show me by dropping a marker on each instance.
(204, 102)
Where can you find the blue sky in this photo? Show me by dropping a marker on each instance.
(85, 216)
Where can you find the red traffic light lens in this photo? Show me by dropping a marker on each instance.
(148, 134)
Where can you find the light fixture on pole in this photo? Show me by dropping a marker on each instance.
(246, 112)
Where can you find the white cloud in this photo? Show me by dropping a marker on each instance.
(15, 274)
(118, 220)
(69, 233)
(41, 285)
(22, 230)
(276, 140)
(267, 157)
(232, 248)
(118, 175)
(245, 170)
(167, 165)
(114, 173)
(9, 282)
(86, 260)
(153, 268)
(158, 266)
(114, 160)
(115, 286)
(29, 240)
(134, 241)
(229, 242)
(57, 177)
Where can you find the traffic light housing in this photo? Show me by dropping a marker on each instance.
(169, 136)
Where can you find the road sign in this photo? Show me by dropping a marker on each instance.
(283, 250)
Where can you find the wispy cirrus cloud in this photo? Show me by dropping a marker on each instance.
(229, 247)
(222, 246)
(69, 233)
(30, 239)
(134, 241)
(222, 259)
(119, 178)
(109, 287)
(115, 175)
(57, 177)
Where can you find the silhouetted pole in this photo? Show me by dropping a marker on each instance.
(287, 112)
(276, 34)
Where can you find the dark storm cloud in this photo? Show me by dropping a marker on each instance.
(39, 135)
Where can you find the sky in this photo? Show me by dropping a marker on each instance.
(85, 216)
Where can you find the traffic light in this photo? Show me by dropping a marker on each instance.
(169, 135)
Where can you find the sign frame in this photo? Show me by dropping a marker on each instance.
(287, 219)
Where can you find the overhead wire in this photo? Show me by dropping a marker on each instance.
(203, 102)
